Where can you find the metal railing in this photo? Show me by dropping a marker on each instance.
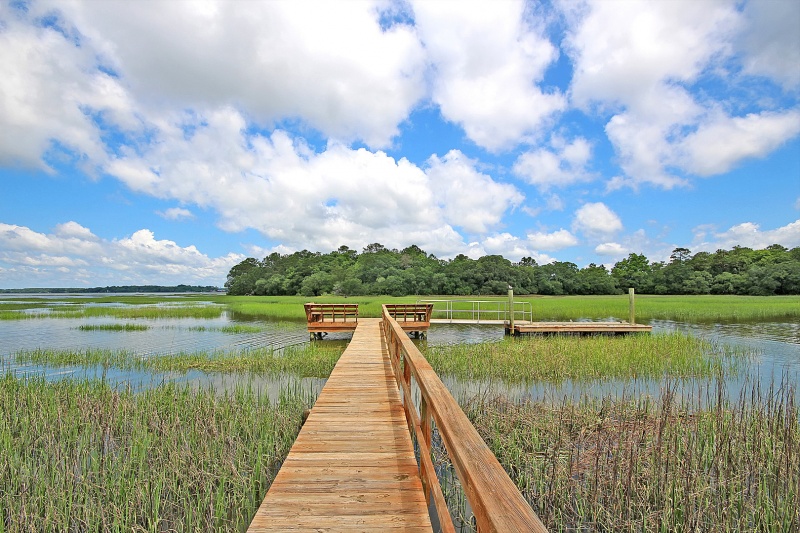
(495, 500)
(477, 311)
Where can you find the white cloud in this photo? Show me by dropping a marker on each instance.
(329, 64)
(550, 242)
(468, 198)
(596, 220)
(772, 42)
(747, 234)
(509, 246)
(304, 199)
(175, 213)
(612, 249)
(561, 165)
(486, 61)
(639, 64)
(49, 89)
(723, 141)
(72, 255)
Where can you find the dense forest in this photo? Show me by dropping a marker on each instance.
(379, 270)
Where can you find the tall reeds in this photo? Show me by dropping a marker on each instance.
(81, 456)
(306, 360)
(560, 357)
(707, 463)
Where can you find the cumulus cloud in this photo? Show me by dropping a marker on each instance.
(509, 246)
(722, 142)
(771, 42)
(550, 242)
(469, 198)
(596, 220)
(302, 198)
(73, 254)
(639, 64)
(612, 249)
(52, 91)
(175, 213)
(564, 163)
(487, 61)
(332, 66)
(747, 234)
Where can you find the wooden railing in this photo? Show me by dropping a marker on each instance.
(331, 312)
(495, 500)
(410, 312)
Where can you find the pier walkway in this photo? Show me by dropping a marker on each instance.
(352, 467)
(363, 459)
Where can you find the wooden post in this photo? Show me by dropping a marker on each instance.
(631, 307)
(511, 309)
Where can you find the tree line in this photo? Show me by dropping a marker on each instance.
(378, 270)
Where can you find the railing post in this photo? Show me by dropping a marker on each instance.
(511, 307)
(425, 427)
(631, 307)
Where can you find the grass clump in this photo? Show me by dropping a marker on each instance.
(114, 327)
(644, 465)
(560, 357)
(307, 360)
(81, 456)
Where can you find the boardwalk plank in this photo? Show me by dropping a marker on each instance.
(352, 467)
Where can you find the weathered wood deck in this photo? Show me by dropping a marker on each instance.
(577, 328)
(352, 467)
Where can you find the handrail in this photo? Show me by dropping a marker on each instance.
(495, 500)
(491, 310)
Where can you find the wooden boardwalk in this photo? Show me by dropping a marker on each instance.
(352, 467)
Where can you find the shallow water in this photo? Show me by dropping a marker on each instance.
(774, 349)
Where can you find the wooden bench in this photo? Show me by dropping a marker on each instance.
(327, 318)
(411, 317)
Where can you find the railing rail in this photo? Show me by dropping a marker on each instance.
(479, 310)
(495, 500)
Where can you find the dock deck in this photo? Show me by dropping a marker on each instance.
(521, 328)
(352, 467)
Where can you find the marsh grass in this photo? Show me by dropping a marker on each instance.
(234, 329)
(696, 463)
(114, 327)
(307, 360)
(559, 357)
(706, 308)
(81, 456)
(291, 307)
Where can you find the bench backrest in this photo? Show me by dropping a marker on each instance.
(331, 312)
(410, 312)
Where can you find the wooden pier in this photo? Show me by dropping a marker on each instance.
(575, 328)
(353, 466)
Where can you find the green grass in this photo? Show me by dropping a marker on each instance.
(308, 360)
(114, 327)
(652, 466)
(561, 357)
(679, 308)
(80, 456)
(291, 307)
(236, 329)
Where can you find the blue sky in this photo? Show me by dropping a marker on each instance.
(164, 142)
